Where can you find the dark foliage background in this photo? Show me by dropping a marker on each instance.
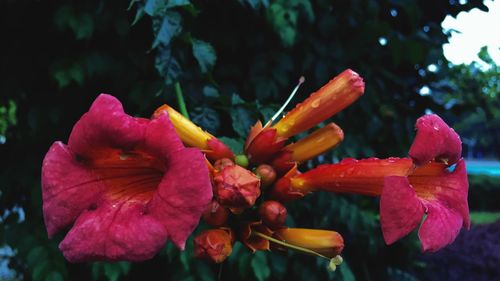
(236, 61)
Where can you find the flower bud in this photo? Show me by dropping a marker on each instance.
(267, 175)
(236, 187)
(324, 242)
(214, 244)
(273, 214)
(241, 160)
(194, 136)
(215, 214)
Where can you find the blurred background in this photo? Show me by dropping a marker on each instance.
(236, 62)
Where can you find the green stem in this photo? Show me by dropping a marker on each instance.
(180, 100)
(283, 243)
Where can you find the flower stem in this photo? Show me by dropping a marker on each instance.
(180, 100)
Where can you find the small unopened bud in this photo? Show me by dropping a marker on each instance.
(241, 160)
(214, 244)
(236, 187)
(267, 175)
(273, 214)
(222, 163)
(215, 214)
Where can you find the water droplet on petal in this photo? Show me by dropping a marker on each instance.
(316, 103)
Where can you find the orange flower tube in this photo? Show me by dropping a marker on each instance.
(364, 177)
(317, 143)
(333, 97)
(194, 136)
(326, 243)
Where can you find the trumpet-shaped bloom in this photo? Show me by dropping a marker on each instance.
(123, 185)
(263, 143)
(337, 94)
(194, 136)
(407, 189)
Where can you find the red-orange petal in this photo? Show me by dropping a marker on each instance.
(364, 176)
(254, 242)
(336, 95)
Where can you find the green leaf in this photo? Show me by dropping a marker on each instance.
(169, 28)
(244, 264)
(204, 54)
(167, 66)
(236, 145)
(177, 3)
(484, 217)
(36, 255)
(242, 120)
(112, 271)
(210, 92)
(396, 274)
(256, 4)
(155, 7)
(138, 15)
(278, 265)
(260, 267)
(39, 270)
(345, 272)
(267, 112)
(236, 100)
(54, 276)
(204, 272)
(206, 118)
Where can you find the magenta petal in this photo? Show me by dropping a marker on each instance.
(126, 183)
(114, 231)
(440, 228)
(400, 209)
(106, 125)
(454, 195)
(435, 140)
(63, 179)
(161, 138)
(183, 194)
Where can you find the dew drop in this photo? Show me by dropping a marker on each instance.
(320, 140)
(316, 103)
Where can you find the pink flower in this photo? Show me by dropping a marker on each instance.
(408, 187)
(124, 185)
(431, 189)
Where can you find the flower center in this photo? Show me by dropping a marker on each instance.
(130, 175)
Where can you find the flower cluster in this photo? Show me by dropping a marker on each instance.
(128, 184)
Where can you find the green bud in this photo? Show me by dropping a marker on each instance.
(241, 160)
